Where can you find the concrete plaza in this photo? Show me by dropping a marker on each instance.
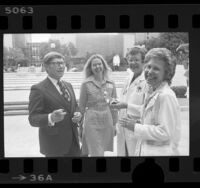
(21, 140)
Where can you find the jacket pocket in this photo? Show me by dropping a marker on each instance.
(51, 130)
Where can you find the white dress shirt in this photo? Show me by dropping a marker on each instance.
(55, 83)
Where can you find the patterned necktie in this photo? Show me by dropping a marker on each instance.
(64, 91)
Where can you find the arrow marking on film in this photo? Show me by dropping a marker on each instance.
(20, 178)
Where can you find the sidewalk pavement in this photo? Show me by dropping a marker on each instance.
(21, 140)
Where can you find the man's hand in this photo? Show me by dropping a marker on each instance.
(58, 115)
(77, 117)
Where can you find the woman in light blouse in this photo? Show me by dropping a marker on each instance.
(97, 91)
(158, 131)
(131, 93)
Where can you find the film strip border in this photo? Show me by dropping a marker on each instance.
(100, 170)
(99, 18)
(100, 22)
(109, 18)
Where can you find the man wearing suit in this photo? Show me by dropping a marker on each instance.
(53, 108)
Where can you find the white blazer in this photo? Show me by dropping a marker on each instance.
(159, 131)
(131, 94)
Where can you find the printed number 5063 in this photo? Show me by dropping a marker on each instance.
(19, 10)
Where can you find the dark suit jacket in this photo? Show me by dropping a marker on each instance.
(44, 98)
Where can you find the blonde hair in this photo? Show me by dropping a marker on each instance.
(87, 68)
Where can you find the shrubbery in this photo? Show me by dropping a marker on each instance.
(24, 62)
(180, 91)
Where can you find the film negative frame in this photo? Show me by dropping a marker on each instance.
(106, 18)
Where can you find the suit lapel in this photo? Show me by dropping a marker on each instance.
(125, 88)
(150, 101)
(53, 92)
(72, 108)
(137, 81)
(69, 106)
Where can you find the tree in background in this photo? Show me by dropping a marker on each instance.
(68, 50)
(12, 57)
(167, 40)
(51, 45)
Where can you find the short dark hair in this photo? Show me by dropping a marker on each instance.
(137, 50)
(51, 55)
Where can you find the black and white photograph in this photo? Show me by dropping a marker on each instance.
(96, 94)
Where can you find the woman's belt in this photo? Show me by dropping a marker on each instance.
(157, 143)
(98, 107)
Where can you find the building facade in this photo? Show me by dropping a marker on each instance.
(34, 53)
(101, 43)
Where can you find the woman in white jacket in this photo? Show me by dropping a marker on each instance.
(132, 93)
(158, 131)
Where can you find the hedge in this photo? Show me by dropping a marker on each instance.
(180, 91)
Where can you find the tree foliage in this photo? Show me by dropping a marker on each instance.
(12, 56)
(170, 41)
(16, 53)
(71, 49)
(67, 50)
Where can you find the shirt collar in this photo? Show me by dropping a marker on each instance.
(92, 79)
(53, 80)
(138, 79)
(141, 76)
(158, 89)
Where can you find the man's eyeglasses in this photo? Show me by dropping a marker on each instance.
(58, 63)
